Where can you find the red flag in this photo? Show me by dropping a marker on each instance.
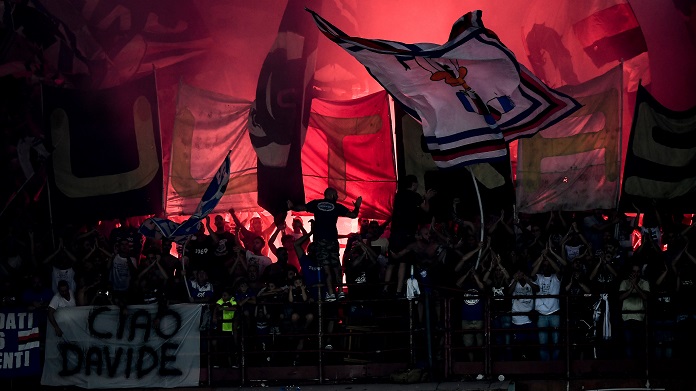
(349, 147)
(611, 34)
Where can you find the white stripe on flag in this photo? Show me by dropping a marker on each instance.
(28, 333)
(27, 346)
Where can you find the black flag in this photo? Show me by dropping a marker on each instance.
(279, 116)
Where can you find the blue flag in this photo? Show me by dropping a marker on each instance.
(159, 228)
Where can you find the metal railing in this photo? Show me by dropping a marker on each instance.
(398, 333)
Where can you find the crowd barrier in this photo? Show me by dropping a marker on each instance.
(348, 340)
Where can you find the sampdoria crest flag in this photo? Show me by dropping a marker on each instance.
(470, 93)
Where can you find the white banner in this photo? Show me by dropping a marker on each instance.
(100, 349)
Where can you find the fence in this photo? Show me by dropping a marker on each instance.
(373, 338)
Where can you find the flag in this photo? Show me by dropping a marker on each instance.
(349, 147)
(661, 158)
(611, 34)
(577, 41)
(106, 153)
(207, 126)
(106, 43)
(21, 343)
(470, 94)
(575, 166)
(413, 156)
(157, 228)
(279, 116)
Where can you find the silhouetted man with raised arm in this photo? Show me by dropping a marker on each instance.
(326, 213)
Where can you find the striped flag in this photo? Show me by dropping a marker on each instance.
(470, 93)
(28, 339)
(661, 158)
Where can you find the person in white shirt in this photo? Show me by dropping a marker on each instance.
(64, 298)
(547, 304)
(521, 307)
(122, 268)
(634, 293)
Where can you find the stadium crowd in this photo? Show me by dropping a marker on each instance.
(607, 275)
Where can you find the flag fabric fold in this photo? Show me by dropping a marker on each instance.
(470, 93)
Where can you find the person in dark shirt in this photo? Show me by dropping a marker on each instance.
(497, 280)
(199, 251)
(277, 272)
(223, 243)
(409, 210)
(312, 272)
(326, 213)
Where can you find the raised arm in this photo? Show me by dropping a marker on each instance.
(53, 255)
(505, 224)
(299, 243)
(272, 239)
(211, 231)
(555, 255)
(537, 263)
(425, 205)
(356, 208)
(478, 281)
(90, 252)
(466, 257)
(144, 272)
(594, 272)
(580, 235)
(296, 208)
(463, 278)
(239, 225)
(369, 253)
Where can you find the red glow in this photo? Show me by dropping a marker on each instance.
(636, 239)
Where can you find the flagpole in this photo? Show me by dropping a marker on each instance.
(478, 196)
(14, 195)
(621, 103)
(618, 185)
(159, 125)
(48, 183)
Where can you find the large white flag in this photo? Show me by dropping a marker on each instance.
(100, 348)
(470, 93)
